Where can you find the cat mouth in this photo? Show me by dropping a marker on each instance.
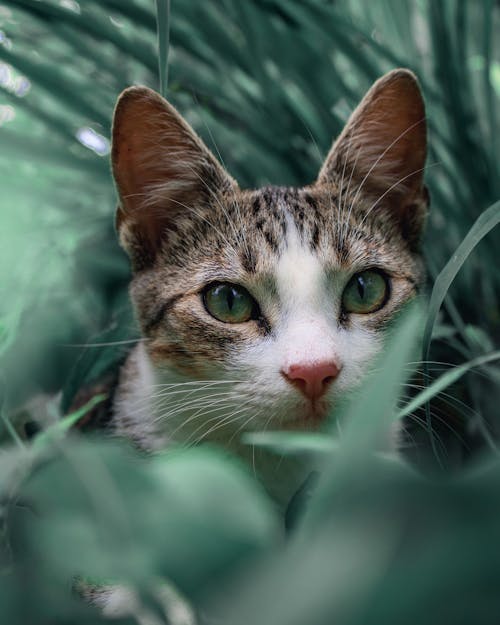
(316, 411)
(309, 416)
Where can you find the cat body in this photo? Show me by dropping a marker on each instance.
(262, 309)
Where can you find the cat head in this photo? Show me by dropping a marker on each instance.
(275, 300)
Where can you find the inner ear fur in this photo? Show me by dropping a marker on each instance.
(383, 147)
(162, 169)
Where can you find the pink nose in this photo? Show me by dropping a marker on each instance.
(312, 380)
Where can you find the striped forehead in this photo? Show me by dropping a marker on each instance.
(273, 207)
(298, 236)
(300, 275)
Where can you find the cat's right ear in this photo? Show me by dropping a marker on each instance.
(163, 172)
(382, 150)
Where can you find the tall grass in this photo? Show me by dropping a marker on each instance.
(267, 83)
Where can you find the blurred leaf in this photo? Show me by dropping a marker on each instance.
(387, 541)
(59, 429)
(292, 442)
(108, 514)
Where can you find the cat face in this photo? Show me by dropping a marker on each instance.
(274, 301)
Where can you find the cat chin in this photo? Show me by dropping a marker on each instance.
(310, 418)
(302, 425)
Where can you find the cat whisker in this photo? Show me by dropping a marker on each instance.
(443, 394)
(242, 427)
(221, 419)
(223, 236)
(381, 197)
(438, 418)
(346, 218)
(232, 418)
(321, 159)
(191, 382)
(282, 455)
(199, 408)
(433, 362)
(234, 404)
(182, 395)
(239, 235)
(152, 407)
(164, 392)
(201, 412)
(156, 399)
(242, 229)
(381, 156)
(151, 402)
(453, 402)
(155, 192)
(341, 198)
(422, 423)
(227, 420)
(106, 344)
(480, 370)
(182, 405)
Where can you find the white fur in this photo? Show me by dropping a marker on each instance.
(118, 602)
(134, 417)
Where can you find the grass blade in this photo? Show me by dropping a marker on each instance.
(484, 224)
(163, 20)
(446, 380)
(62, 427)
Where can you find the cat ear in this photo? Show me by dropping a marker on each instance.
(382, 149)
(162, 169)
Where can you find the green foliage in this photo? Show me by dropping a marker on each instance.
(372, 543)
(267, 83)
(94, 508)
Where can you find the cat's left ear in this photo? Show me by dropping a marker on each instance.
(382, 150)
(163, 171)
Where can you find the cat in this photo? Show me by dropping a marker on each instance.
(261, 309)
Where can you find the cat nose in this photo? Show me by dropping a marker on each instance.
(312, 380)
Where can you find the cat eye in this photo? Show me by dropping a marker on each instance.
(230, 303)
(366, 292)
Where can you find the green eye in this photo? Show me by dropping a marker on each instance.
(229, 303)
(366, 292)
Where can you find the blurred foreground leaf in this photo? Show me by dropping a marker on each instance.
(390, 547)
(97, 509)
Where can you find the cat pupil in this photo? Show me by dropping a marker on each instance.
(230, 298)
(361, 287)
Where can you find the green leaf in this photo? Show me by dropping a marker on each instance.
(59, 429)
(107, 513)
(292, 442)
